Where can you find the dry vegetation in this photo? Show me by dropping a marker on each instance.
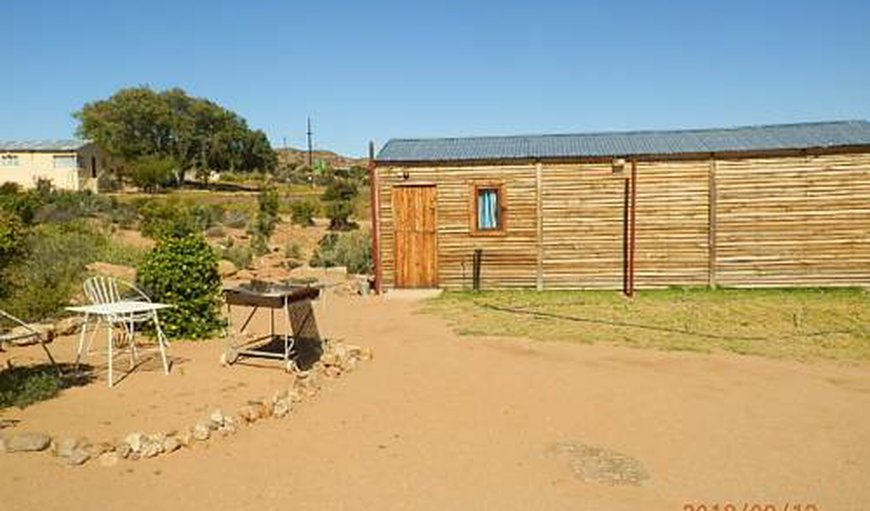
(798, 324)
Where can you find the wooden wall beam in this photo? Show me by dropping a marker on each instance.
(539, 199)
(712, 224)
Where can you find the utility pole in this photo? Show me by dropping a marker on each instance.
(309, 143)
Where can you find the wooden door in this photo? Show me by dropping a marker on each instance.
(416, 249)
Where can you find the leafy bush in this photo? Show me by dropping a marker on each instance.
(24, 205)
(339, 197)
(109, 182)
(12, 233)
(236, 219)
(302, 213)
(172, 218)
(23, 386)
(352, 249)
(293, 250)
(182, 271)
(60, 206)
(267, 217)
(41, 283)
(124, 215)
(151, 173)
(239, 255)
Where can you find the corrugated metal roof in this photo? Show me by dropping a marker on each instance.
(42, 145)
(817, 135)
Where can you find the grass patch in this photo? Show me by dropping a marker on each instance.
(23, 386)
(796, 324)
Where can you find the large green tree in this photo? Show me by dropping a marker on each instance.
(198, 134)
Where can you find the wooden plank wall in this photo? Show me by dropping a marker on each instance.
(508, 261)
(801, 221)
(582, 227)
(672, 222)
(788, 221)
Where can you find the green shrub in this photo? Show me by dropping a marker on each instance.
(182, 271)
(264, 223)
(172, 218)
(351, 249)
(236, 219)
(23, 386)
(125, 215)
(339, 197)
(151, 173)
(24, 205)
(53, 268)
(12, 235)
(302, 213)
(239, 255)
(60, 206)
(293, 250)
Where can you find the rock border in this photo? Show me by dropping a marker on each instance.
(338, 358)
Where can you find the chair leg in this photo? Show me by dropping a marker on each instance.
(162, 343)
(81, 342)
(93, 334)
(131, 339)
(109, 333)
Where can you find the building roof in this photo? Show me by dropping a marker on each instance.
(42, 145)
(817, 135)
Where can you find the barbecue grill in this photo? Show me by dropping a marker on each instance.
(300, 323)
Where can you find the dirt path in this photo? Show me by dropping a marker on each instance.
(441, 422)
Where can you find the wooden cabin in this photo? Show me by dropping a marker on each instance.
(757, 206)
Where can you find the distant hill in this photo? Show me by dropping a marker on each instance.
(295, 157)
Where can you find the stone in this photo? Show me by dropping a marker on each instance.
(184, 438)
(281, 409)
(24, 336)
(294, 395)
(353, 350)
(229, 426)
(151, 447)
(280, 395)
(248, 414)
(136, 441)
(330, 359)
(109, 459)
(349, 364)
(67, 326)
(332, 371)
(78, 457)
(171, 444)
(217, 419)
(26, 442)
(367, 354)
(201, 431)
(123, 450)
(65, 446)
(97, 450)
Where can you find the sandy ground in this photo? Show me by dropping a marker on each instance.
(441, 422)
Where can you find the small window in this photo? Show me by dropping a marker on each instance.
(65, 161)
(488, 210)
(9, 160)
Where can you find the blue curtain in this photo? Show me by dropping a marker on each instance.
(487, 209)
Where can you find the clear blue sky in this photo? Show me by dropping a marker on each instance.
(371, 70)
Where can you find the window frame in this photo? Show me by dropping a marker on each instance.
(10, 160)
(65, 157)
(473, 212)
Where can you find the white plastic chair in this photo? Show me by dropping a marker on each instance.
(101, 290)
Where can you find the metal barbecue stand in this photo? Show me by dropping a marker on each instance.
(299, 317)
